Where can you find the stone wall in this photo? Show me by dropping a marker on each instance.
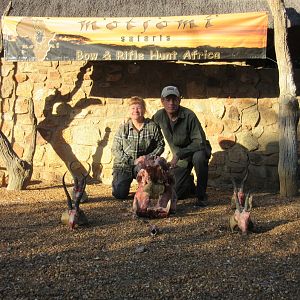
(79, 106)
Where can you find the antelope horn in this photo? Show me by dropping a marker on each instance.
(237, 202)
(244, 179)
(88, 172)
(234, 183)
(69, 201)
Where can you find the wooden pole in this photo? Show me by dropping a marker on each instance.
(288, 116)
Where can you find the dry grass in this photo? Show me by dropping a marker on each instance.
(194, 256)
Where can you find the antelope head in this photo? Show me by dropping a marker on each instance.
(154, 196)
(73, 211)
(242, 214)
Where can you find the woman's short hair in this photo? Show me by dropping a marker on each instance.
(137, 100)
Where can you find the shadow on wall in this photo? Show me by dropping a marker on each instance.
(97, 156)
(147, 78)
(53, 126)
(235, 160)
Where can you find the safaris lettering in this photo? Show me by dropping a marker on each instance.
(146, 38)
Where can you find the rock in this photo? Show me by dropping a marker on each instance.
(140, 249)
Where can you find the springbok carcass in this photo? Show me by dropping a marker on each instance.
(79, 184)
(73, 215)
(241, 220)
(155, 196)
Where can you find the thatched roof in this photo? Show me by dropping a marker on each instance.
(136, 8)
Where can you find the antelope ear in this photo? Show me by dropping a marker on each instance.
(168, 207)
(250, 202)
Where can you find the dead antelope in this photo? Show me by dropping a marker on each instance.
(74, 215)
(241, 217)
(79, 184)
(155, 196)
(238, 191)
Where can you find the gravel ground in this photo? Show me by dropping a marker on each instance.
(194, 255)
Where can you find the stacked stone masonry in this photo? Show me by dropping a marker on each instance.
(79, 106)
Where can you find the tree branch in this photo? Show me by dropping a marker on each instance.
(28, 156)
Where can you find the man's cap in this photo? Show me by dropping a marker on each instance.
(170, 90)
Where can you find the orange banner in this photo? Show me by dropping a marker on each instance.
(211, 37)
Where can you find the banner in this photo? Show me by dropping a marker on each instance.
(211, 37)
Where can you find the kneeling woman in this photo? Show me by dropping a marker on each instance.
(139, 136)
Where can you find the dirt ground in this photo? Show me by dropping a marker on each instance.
(194, 255)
